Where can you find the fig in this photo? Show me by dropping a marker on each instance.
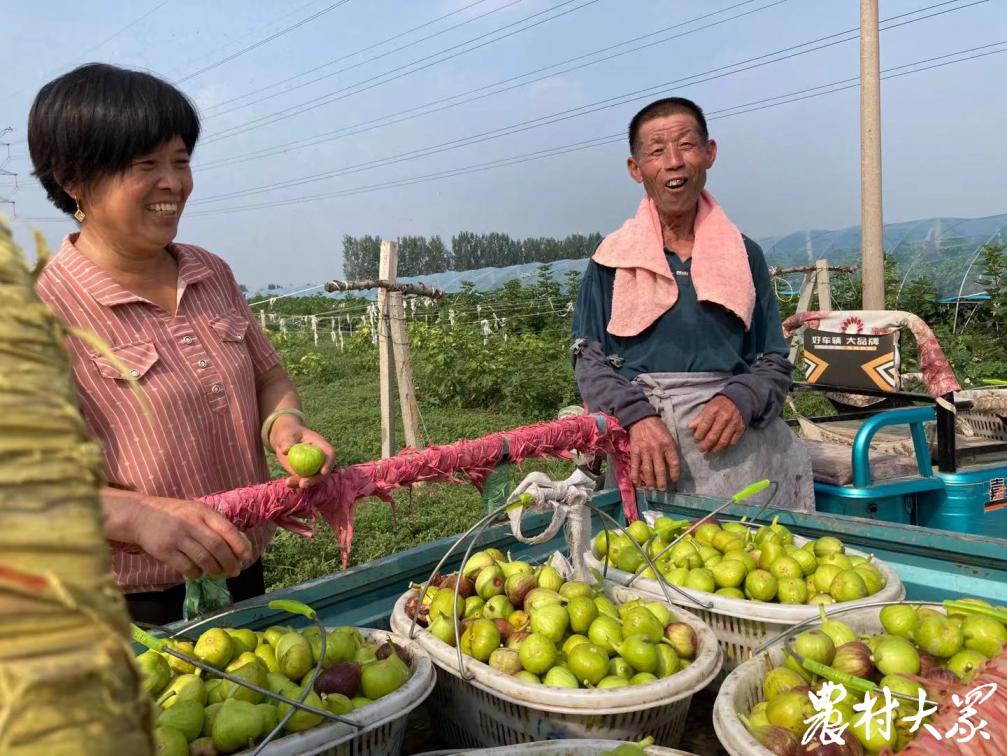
(574, 588)
(505, 628)
(639, 650)
(385, 676)
(267, 655)
(589, 663)
(337, 703)
(515, 568)
(619, 667)
(706, 532)
(498, 607)
(548, 577)
(816, 645)
(560, 677)
(848, 586)
(733, 593)
(517, 587)
(183, 688)
(293, 655)
(302, 720)
(745, 557)
(853, 658)
(701, 579)
(966, 663)
(550, 620)
(235, 725)
(170, 742)
(178, 666)
(519, 619)
(681, 638)
(360, 701)
(528, 677)
(900, 620)
(642, 678)
(660, 612)
(805, 560)
(778, 740)
(791, 590)
(938, 636)
(839, 632)
(245, 658)
(184, 716)
(215, 647)
(243, 639)
(893, 655)
(668, 662)
(342, 678)
(872, 578)
(790, 710)
(209, 714)
(836, 560)
(490, 582)
(537, 653)
(639, 621)
(605, 632)
(983, 634)
(612, 681)
(445, 630)
(481, 638)
(780, 680)
(476, 563)
(506, 661)
(253, 672)
(905, 686)
(761, 585)
(473, 607)
(466, 587)
(824, 575)
(154, 670)
(517, 638)
(871, 733)
(274, 633)
(729, 573)
(582, 611)
(606, 607)
(785, 567)
(496, 555)
(270, 716)
(444, 603)
(828, 545)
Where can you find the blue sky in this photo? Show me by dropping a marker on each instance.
(779, 169)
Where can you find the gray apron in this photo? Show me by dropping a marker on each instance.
(774, 451)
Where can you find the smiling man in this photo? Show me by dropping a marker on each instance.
(677, 333)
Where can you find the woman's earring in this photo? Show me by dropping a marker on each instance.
(79, 214)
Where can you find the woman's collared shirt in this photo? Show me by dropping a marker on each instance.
(197, 369)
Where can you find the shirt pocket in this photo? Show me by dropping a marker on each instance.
(127, 361)
(230, 326)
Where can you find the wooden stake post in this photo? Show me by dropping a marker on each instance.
(394, 364)
(387, 270)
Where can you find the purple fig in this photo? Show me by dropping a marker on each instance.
(386, 648)
(342, 678)
(466, 587)
(517, 587)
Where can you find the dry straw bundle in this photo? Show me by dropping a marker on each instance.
(68, 684)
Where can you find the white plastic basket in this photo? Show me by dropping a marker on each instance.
(742, 625)
(384, 720)
(573, 747)
(742, 688)
(495, 710)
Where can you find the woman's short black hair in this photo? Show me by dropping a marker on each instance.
(96, 120)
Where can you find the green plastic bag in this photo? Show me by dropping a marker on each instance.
(204, 595)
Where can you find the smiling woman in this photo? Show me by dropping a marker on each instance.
(112, 148)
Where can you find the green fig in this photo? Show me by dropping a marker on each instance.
(253, 672)
(170, 742)
(574, 588)
(605, 632)
(984, 634)
(515, 568)
(302, 720)
(273, 634)
(548, 577)
(444, 629)
(476, 563)
(528, 677)
(243, 639)
(215, 647)
(550, 620)
(267, 655)
(839, 632)
(506, 661)
(828, 545)
(178, 666)
(235, 726)
(966, 663)
(209, 713)
(214, 691)
(642, 678)
(293, 655)
(560, 677)
(444, 603)
(938, 636)
(183, 688)
(780, 680)
(245, 658)
(537, 653)
(202, 746)
(154, 670)
(270, 716)
(490, 582)
(473, 607)
(498, 607)
(668, 662)
(582, 611)
(589, 663)
(337, 703)
(612, 681)
(606, 607)
(360, 702)
(640, 621)
(640, 651)
(482, 637)
(184, 716)
(517, 587)
(387, 675)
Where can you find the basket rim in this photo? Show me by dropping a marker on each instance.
(396, 705)
(665, 691)
(760, 611)
(731, 733)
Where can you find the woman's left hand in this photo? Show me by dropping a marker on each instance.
(288, 430)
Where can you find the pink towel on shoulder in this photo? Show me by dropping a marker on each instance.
(645, 288)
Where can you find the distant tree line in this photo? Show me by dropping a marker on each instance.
(421, 255)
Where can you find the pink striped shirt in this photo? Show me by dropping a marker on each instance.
(198, 370)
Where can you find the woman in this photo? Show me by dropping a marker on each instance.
(112, 148)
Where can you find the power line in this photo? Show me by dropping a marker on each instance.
(262, 42)
(357, 52)
(784, 99)
(317, 102)
(564, 115)
(372, 124)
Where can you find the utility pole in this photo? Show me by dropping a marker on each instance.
(871, 218)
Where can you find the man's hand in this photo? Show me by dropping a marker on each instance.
(653, 455)
(288, 430)
(718, 426)
(190, 537)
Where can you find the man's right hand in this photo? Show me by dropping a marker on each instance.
(653, 454)
(190, 537)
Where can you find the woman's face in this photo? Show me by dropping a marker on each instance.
(139, 208)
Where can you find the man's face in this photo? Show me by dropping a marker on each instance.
(671, 161)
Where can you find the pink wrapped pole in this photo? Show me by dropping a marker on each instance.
(471, 461)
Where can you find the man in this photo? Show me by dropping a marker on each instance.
(676, 329)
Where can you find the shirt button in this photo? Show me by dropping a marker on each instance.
(203, 363)
(187, 340)
(216, 388)
(135, 373)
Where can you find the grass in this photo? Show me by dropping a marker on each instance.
(341, 403)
